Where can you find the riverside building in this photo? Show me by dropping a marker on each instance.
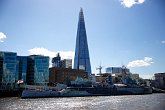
(65, 75)
(22, 68)
(82, 59)
(38, 70)
(8, 62)
(32, 70)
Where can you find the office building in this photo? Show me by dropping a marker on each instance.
(38, 70)
(22, 68)
(56, 61)
(82, 59)
(117, 70)
(8, 74)
(66, 63)
(32, 69)
(1, 68)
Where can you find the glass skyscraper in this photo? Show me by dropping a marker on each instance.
(82, 59)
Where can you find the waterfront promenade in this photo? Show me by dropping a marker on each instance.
(125, 102)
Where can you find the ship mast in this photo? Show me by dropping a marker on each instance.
(100, 68)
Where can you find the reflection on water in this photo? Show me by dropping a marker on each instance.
(127, 102)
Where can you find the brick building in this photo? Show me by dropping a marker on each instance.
(64, 75)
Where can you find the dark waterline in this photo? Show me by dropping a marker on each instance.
(126, 102)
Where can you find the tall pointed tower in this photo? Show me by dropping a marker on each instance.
(81, 59)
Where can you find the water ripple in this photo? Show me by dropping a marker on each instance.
(127, 102)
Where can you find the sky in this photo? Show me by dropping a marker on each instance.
(119, 32)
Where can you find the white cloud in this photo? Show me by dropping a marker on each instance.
(67, 54)
(130, 3)
(2, 37)
(41, 51)
(147, 61)
(163, 42)
(141, 1)
(51, 54)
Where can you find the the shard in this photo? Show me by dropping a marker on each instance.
(82, 59)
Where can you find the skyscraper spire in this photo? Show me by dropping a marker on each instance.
(81, 10)
(82, 59)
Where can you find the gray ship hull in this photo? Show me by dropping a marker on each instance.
(39, 94)
(85, 91)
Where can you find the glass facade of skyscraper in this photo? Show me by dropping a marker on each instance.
(38, 70)
(31, 69)
(8, 68)
(82, 59)
(22, 68)
(1, 68)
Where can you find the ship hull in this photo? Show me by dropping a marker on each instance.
(39, 94)
(82, 91)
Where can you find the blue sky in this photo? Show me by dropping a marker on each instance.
(129, 32)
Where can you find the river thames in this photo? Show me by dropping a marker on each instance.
(125, 102)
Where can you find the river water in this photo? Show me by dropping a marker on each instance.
(125, 102)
